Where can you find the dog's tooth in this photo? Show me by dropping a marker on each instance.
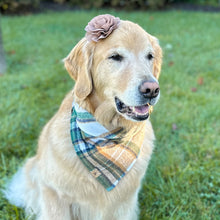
(133, 109)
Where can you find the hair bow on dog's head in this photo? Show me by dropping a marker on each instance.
(101, 26)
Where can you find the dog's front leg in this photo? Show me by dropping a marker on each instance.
(52, 207)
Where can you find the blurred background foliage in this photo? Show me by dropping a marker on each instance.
(21, 6)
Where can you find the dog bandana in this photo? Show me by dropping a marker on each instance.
(108, 155)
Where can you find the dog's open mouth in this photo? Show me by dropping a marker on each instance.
(138, 113)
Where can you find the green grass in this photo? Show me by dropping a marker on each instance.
(183, 179)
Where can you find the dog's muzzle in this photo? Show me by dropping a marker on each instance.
(149, 94)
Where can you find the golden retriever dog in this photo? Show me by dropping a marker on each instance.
(116, 67)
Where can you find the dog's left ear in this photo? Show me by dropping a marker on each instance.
(157, 58)
(78, 63)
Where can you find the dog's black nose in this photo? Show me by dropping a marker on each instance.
(149, 89)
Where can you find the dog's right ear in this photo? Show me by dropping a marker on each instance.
(78, 63)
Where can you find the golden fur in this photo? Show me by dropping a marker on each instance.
(57, 185)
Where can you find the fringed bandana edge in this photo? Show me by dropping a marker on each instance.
(108, 155)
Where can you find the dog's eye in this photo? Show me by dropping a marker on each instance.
(116, 57)
(150, 56)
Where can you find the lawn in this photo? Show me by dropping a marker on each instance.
(183, 179)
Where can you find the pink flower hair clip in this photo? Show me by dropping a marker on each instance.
(101, 26)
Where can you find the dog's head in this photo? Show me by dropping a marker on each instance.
(119, 72)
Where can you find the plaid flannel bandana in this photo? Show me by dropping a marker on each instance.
(108, 155)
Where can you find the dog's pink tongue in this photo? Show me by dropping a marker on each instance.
(141, 109)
